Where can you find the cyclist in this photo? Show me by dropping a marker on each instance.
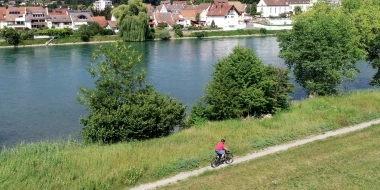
(220, 149)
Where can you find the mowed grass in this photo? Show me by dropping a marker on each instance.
(349, 161)
(71, 165)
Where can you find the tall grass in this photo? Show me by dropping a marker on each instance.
(70, 165)
(349, 161)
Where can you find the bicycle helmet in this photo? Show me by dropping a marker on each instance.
(223, 140)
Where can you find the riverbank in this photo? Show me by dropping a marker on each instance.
(53, 43)
(71, 165)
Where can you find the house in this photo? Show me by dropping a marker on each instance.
(35, 17)
(202, 9)
(178, 19)
(224, 16)
(3, 13)
(100, 5)
(269, 8)
(79, 18)
(112, 26)
(163, 18)
(188, 17)
(15, 17)
(101, 20)
(59, 21)
(239, 7)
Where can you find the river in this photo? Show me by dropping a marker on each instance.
(39, 85)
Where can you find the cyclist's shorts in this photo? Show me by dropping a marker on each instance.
(220, 152)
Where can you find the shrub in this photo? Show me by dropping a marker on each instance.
(122, 106)
(192, 28)
(263, 31)
(164, 35)
(178, 32)
(243, 86)
(199, 34)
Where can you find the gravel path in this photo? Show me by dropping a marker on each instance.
(270, 150)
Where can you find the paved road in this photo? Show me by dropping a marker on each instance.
(270, 150)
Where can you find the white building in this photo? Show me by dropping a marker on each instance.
(102, 4)
(225, 16)
(274, 8)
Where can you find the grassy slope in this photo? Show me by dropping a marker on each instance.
(350, 161)
(68, 165)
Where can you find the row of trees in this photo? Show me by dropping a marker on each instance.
(326, 42)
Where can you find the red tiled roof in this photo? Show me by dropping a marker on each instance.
(188, 14)
(177, 17)
(179, 2)
(58, 12)
(112, 24)
(275, 2)
(101, 20)
(164, 17)
(238, 5)
(12, 17)
(3, 12)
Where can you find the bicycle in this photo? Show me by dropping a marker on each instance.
(228, 159)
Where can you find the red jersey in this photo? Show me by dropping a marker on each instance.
(219, 146)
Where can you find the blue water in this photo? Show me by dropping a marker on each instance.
(39, 85)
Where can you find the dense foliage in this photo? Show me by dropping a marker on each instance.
(366, 17)
(11, 36)
(61, 32)
(242, 86)
(132, 20)
(122, 106)
(164, 34)
(321, 49)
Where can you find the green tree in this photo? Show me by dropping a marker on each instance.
(85, 33)
(241, 86)
(366, 17)
(132, 20)
(11, 36)
(297, 10)
(122, 106)
(197, 17)
(321, 49)
(213, 24)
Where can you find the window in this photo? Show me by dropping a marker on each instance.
(82, 17)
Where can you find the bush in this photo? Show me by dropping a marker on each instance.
(192, 28)
(122, 106)
(105, 32)
(199, 34)
(178, 32)
(164, 35)
(243, 86)
(263, 31)
(162, 25)
(11, 36)
(151, 33)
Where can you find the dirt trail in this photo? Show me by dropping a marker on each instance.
(269, 150)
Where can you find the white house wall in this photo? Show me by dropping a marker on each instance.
(203, 16)
(228, 22)
(273, 10)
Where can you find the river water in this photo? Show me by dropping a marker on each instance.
(39, 85)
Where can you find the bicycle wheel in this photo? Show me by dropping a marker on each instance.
(229, 158)
(214, 162)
